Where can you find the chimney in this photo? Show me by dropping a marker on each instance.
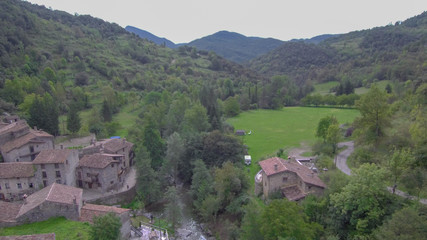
(74, 200)
(124, 140)
(275, 167)
(61, 146)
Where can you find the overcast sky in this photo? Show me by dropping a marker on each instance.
(182, 21)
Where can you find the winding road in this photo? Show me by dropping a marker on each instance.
(341, 163)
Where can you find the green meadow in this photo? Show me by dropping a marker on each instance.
(286, 128)
(64, 229)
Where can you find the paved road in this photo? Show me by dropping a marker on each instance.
(341, 160)
(341, 163)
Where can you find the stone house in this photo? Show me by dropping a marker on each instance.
(20, 143)
(56, 166)
(52, 201)
(112, 146)
(104, 172)
(16, 179)
(292, 179)
(91, 210)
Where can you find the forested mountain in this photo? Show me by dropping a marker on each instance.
(235, 47)
(394, 52)
(45, 51)
(316, 39)
(151, 37)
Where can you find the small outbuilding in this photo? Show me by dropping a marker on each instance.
(240, 132)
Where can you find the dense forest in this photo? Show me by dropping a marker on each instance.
(53, 65)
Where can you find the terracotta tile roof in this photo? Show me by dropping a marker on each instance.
(57, 193)
(14, 127)
(9, 211)
(89, 211)
(272, 166)
(293, 193)
(114, 145)
(96, 160)
(306, 175)
(52, 156)
(32, 137)
(48, 236)
(16, 169)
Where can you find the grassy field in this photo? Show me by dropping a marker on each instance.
(64, 229)
(323, 88)
(381, 85)
(286, 128)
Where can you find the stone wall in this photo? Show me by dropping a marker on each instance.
(273, 183)
(23, 154)
(47, 210)
(115, 198)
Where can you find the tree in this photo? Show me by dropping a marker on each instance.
(107, 114)
(174, 154)
(250, 229)
(148, 184)
(201, 184)
(73, 119)
(106, 227)
(154, 145)
(399, 163)
(361, 205)
(219, 148)
(231, 185)
(323, 126)
(407, 223)
(231, 107)
(173, 209)
(333, 136)
(44, 114)
(374, 110)
(196, 119)
(283, 219)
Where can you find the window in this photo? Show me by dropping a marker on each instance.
(58, 181)
(7, 185)
(285, 179)
(42, 166)
(31, 149)
(19, 185)
(44, 175)
(33, 157)
(58, 174)
(111, 182)
(44, 183)
(31, 185)
(56, 165)
(0, 187)
(112, 165)
(17, 160)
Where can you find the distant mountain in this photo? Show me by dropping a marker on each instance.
(151, 37)
(316, 39)
(236, 47)
(394, 52)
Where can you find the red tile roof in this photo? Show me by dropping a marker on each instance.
(48, 236)
(306, 175)
(9, 211)
(89, 211)
(293, 193)
(14, 127)
(16, 169)
(52, 156)
(97, 160)
(32, 137)
(114, 145)
(57, 193)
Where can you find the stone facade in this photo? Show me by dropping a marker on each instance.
(104, 172)
(293, 180)
(20, 143)
(16, 180)
(56, 166)
(112, 146)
